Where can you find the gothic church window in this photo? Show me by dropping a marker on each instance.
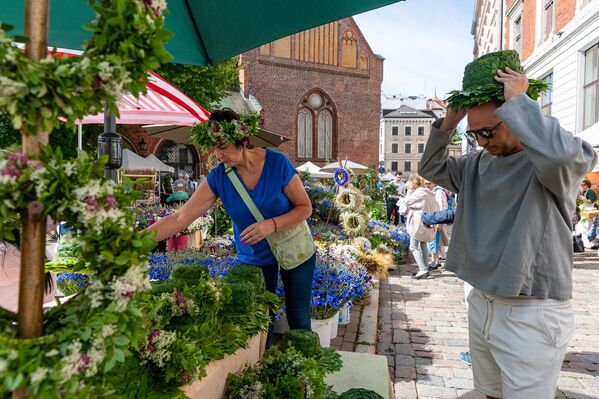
(316, 134)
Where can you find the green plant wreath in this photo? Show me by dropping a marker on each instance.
(128, 40)
(88, 335)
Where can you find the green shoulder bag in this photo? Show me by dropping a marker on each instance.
(290, 247)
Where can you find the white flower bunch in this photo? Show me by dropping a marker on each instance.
(157, 346)
(124, 287)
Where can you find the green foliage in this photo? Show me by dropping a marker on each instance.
(206, 85)
(377, 211)
(279, 375)
(360, 393)
(248, 273)
(189, 272)
(479, 85)
(367, 183)
(221, 221)
(306, 342)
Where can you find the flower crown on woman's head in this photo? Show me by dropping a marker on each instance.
(212, 132)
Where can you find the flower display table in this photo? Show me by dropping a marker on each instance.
(214, 384)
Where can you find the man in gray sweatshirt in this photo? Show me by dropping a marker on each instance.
(512, 236)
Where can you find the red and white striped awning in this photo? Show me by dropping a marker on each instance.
(163, 104)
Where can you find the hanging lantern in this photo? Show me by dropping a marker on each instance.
(111, 144)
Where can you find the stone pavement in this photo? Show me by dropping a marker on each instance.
(423, 327)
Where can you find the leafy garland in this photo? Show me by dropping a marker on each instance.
(93, 331)
(211, 133)
(86, 337)
(128, 40)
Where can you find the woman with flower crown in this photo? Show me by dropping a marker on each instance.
(275, 187)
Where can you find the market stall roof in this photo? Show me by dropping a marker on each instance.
(204, 31)
(355, 167)
(181, 134)
(314, 170)
(160, 166)
(162, 104)
(133, 161)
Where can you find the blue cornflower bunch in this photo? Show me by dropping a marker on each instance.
(71, 283)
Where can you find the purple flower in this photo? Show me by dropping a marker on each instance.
(92, 204)
(111, 202)
(11, 171)
(215, 127)
(83, 362)
(17, 157)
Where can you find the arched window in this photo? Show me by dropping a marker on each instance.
(316, 126)
(179, 156)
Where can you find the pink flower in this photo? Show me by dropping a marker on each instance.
(17, 157)
(92, 204)
(111, 202)
(12, 171)
(83, 362)
(185, 377)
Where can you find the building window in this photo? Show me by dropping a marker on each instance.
(394, 148)
(394, 166)
(546, 96)
(408, 130)
(408, 148)
(591, 86)
(179, 156)
(421, 130)
(407, 166)
(518, 34)
(304, 133)
(548, 12)
(420, 148)
(395, 131)
(316, 127)
(325, 134)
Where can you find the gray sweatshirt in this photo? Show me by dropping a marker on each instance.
(512, 230)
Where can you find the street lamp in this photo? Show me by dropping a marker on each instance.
(142, 146)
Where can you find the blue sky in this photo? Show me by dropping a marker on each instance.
(426, 44)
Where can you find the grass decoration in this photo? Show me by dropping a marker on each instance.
(377, 261)
(479, 85)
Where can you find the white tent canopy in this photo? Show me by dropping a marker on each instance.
(160, 166)
(314, 170)
(356, 168)
(133, 161)
(388, 177)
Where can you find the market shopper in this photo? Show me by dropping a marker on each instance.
(512, 233)
(274, 186)
(419, 200)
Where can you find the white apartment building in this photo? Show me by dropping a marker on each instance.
(558, 41)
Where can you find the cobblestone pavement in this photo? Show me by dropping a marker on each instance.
(423, 327)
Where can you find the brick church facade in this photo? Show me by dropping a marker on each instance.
(322, 89)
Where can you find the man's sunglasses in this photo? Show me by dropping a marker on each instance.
(484, 133)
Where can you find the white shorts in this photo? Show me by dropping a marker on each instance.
(518, 345)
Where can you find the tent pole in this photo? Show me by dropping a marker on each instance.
(80, 136)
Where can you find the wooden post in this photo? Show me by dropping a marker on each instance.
(33, 235)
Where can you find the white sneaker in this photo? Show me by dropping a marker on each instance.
(420, 275)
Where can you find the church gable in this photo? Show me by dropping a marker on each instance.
(337, 44)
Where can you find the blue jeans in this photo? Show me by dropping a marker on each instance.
(298, 293)
(420, 251)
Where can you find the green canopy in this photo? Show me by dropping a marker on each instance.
(205, 31)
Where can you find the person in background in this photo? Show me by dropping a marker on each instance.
(398, 190)
(587, 193)
(275, 187)
(419, 200)
(179, 195)
(435, 245)
(10, 275)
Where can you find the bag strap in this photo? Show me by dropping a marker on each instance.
(244, 194)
